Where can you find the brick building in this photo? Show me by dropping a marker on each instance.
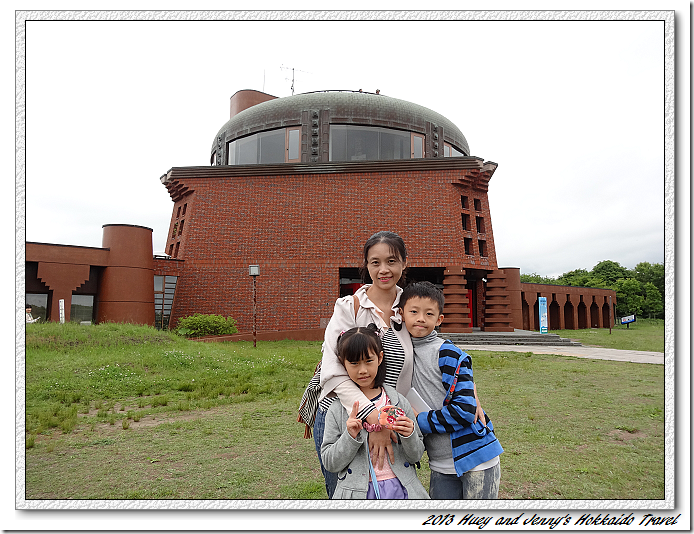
(296, 185)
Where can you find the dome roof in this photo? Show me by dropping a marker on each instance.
(340, 107)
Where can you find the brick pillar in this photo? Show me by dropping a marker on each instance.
(575, 301)
(531, 299)
(561, 300)
(497, 303)
(456, 310)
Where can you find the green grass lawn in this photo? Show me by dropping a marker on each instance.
(125, 412)
(644, 334)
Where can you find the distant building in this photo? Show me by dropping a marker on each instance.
(296, 185)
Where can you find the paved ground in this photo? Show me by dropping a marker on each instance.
(597, 353)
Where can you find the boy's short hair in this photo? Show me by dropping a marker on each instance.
(425, 290)
(356, 343)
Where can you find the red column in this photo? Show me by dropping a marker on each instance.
(126, 288)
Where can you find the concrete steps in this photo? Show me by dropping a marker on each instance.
(519, 337)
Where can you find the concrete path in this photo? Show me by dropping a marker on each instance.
(597, 353)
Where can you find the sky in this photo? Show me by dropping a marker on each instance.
(572, 112)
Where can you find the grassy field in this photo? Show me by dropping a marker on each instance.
(125, 412)
(644, 334)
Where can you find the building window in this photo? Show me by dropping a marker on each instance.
(39, 305)
(450, 151)
(293, 145)
(463, 202)
(178, 245)
(275, 146)
(185, 206)
(417, 146)
(178, 213)
(480, 224)
(478, 204)
(466, 221)
(180, 228)
(367, 143)
(82, 309)
(175, 229)
(164, 290)
(483, 248)
(171, 249)
(468, 246)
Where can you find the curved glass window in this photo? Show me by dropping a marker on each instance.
(451, 152)
(359, 143)
(275, 146)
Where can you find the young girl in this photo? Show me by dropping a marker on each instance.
(385, 259)
(345, 451)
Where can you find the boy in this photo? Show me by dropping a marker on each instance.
(463, 453)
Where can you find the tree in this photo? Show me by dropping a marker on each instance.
(653, 301)
(576, 278)
(629, 299)
(654, 273)
(610, 271)
(534, 278)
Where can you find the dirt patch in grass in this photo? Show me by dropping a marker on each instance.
(623, 435)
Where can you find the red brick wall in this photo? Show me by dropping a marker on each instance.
(301, 228)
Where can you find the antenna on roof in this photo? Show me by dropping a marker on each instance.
(287, 68)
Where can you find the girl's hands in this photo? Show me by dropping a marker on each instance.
(380, 442)
(354, 425)
(404, 426)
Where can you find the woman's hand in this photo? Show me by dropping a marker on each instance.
(404, 426)
(380, 442)
(354, 424)
(479, 413)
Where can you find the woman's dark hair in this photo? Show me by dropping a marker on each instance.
(357, 343)
(397, 248)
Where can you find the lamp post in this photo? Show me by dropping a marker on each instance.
(609, 315)
(254, 271)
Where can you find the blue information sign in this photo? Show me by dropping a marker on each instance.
(542, 305)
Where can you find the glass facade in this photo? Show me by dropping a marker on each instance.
(368, 143)
(451, 152)
(275, 146)
(39, 304)
(82, 308)
(164, 290)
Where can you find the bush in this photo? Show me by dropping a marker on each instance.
(198, 325)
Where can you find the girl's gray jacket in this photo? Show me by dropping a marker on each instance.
(348, 457)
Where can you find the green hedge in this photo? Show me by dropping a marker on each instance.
(198, 325)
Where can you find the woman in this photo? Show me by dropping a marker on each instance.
(385, 260)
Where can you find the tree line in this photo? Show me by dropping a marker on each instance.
(640, 291)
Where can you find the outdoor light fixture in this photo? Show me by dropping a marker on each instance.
(254, 270)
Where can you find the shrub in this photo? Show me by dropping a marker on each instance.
(198, 325)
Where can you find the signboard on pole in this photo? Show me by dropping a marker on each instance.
(61, 310)
(628, 319)
(542, 305)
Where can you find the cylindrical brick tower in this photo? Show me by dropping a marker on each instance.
(126, 292)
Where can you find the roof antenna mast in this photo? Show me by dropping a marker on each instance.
(287, 68)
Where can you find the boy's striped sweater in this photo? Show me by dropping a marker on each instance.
(471, 443)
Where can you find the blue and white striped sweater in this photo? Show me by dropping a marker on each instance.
(471, 443)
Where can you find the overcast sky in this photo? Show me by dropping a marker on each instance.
(572, 112)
